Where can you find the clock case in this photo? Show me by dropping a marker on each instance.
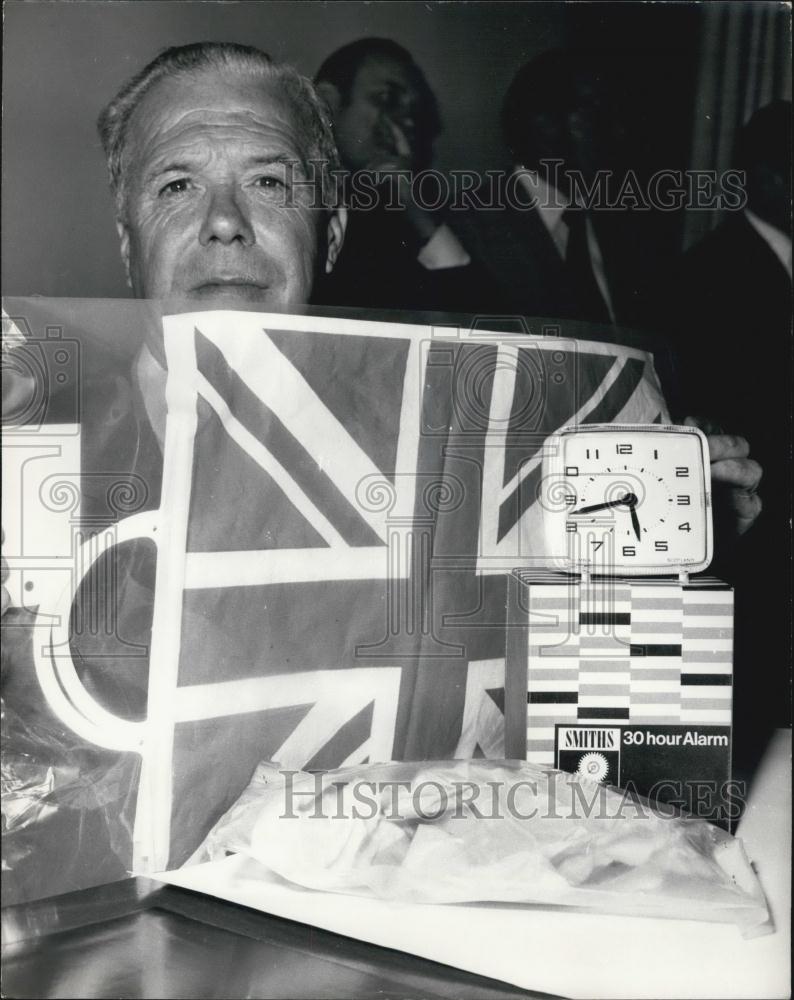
(554, 520)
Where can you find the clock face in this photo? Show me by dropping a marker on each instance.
(630, 500)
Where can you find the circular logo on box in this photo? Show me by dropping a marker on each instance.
(593, 766)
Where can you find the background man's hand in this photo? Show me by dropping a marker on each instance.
(734, 475)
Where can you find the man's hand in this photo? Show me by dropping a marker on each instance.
(734, 474)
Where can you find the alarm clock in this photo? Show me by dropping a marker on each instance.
(627, 499)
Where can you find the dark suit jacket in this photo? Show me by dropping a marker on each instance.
(527, 275)
(731, 319)
(378, 269)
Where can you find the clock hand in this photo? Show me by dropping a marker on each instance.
(629, 500)
(635, 521)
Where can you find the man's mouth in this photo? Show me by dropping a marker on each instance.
(236, 286)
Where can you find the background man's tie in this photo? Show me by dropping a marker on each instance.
(580, 269)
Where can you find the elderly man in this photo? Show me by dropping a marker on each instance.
(209, 151)
(212, 152)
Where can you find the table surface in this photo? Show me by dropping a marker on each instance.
(140, 938)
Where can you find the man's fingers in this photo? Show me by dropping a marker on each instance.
(400, 140)
(727, 446)
(744, 473)
(706, 424)
(746, 507)
(732, 470)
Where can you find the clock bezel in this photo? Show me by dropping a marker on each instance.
(554, 522)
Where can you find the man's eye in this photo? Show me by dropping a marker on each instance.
(270, 182)
(178, 186)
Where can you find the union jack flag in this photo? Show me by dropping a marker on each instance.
(313, 568)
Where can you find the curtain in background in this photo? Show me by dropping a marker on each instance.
(745, 63)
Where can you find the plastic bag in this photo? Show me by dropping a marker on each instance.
(61, 828)
(480, 830)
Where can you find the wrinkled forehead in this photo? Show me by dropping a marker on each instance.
(213, 106)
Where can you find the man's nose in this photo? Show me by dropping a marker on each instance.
(226, 220)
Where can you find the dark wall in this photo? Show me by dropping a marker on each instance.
(64, 61)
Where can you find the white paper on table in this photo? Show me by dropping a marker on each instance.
(575, 955)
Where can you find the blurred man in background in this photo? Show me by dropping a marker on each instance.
(734, 287)
(551, 250)
(398, 254)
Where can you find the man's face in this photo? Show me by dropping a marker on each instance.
(587, 135)
(376, 128)
(212, 208)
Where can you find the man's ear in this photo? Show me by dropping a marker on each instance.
(124, 241)
(335, 237)
(329, 93)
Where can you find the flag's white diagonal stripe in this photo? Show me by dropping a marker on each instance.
(359, 755)
(595, 400)
(646, 397)
(340, 696)
(281, 386)
(272, 467)
(320, 725)
(251, 694)
(336, 697)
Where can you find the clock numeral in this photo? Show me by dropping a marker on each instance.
(596, 545)
(629, 550)
(655, 453)
(682, 471)
(571, 470)
(683, 500)
(570, 499)
(623, 449)
(660, 546)
(595, 452)
(571, 526)
(685, 526)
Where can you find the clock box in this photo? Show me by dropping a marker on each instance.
(627, 680)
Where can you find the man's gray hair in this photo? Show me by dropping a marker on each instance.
(312, 119)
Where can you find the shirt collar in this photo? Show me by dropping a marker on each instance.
(777, 241)
(549, 202)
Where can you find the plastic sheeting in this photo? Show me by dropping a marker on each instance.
(468, 831)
